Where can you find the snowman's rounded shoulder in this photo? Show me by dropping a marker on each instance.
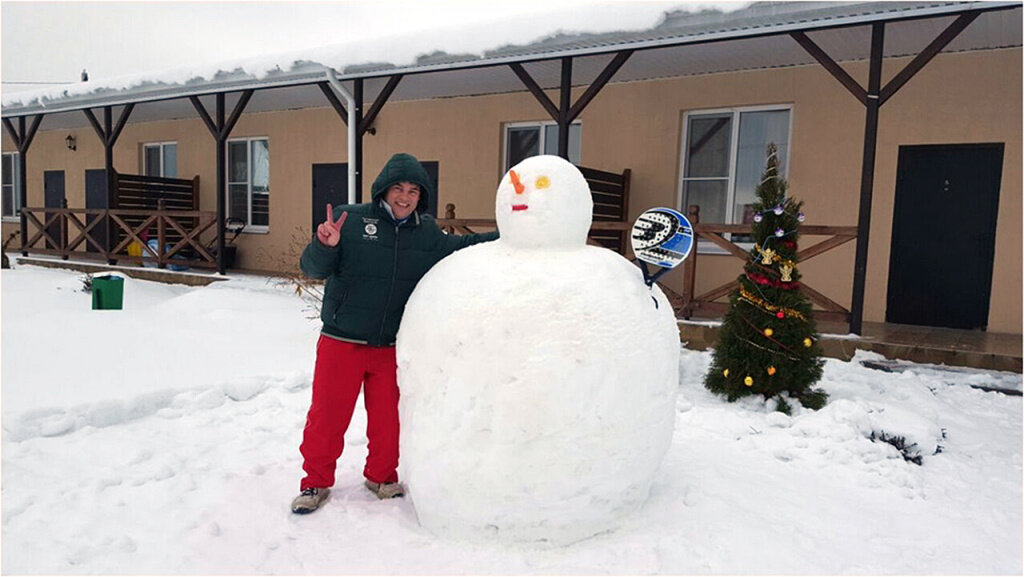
(484, 266)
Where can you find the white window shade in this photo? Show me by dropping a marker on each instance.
(249, 182)
(724, 155)
(526, 139)
(11, 192)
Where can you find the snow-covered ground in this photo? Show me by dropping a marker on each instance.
(163, 439)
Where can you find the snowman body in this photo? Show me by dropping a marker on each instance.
(538, 379)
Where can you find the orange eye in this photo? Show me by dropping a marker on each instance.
(542, 182)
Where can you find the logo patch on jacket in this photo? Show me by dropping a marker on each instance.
(370, 228)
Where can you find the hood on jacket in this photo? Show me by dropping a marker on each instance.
(403, 167)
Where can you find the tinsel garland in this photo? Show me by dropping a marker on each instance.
(767, 333)
(758, 301)
(763, 280)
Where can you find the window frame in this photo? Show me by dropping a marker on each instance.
(15, 188)
(705, 246)
(248, 140)
(163, 168)
(541, 126)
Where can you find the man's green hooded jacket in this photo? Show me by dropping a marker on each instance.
(374, 269)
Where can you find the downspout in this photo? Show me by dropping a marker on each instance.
(350, 107)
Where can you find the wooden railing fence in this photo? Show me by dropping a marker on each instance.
(689, 304)
(705, 303)
(107, 234)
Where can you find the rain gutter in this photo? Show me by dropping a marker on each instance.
(350, 108)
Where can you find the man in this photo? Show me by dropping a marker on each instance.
(372, 256)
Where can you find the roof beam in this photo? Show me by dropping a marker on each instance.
(210, 125)
(926, 55)
(825, 60)
(333, 100)
(23, 138)
(371, 115)
(121, 121)
(599, 83)
(237, 112)
(108, 134)
(535, 89)
(221, 129)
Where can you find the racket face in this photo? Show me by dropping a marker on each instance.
(662, 236)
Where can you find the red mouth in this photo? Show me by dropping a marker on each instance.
(519, 207)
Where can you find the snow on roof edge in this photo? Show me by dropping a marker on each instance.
(360, 59)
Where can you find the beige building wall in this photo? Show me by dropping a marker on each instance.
(958, 98)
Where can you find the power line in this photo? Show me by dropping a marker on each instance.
(19, 82)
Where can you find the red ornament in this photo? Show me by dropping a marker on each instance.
(780, 315)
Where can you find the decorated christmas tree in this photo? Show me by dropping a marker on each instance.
(768, 344)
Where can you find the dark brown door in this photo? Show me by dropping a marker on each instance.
(944, 231)
(53, 197)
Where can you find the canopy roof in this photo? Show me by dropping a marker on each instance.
(681, 43)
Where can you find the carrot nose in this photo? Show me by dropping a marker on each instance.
(515, 182)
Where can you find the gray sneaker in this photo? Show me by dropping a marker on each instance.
(309, 500)
(385, 490)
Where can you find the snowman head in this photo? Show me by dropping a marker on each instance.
(544, 202)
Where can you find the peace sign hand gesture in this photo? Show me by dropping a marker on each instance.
(329, 231)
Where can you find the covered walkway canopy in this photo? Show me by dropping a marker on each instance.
(763, 35)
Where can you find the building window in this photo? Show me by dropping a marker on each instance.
(724, 155)
(160, 159)
(526, 139)
(11, 187)
(249, 182)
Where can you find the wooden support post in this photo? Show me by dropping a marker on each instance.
(690, 266)
(564, 106)
(867, 178)
(22, 138)
(222, 170)
(63, 220)
(221, 128)
(357, 154)
(161, 233)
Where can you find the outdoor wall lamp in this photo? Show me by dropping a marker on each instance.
(70, 141)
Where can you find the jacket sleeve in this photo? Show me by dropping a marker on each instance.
(454, 242)
(318, 260)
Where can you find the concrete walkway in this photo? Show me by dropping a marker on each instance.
(934, 345)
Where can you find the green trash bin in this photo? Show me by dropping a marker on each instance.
(107, 292)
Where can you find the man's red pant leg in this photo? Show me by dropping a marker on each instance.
(380, 394)
(337, 378)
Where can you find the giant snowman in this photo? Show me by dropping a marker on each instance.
(538, 375)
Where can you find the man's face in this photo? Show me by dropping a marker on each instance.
(403, 198)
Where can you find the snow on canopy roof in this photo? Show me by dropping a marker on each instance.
(566, 32)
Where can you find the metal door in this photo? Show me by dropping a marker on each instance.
(330, 185)
(96, 197)
(53, 197)
(943, 239)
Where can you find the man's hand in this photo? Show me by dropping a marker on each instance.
(329, 231)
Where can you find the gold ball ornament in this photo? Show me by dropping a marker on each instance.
(725, 373)
(807, 342)
(768, 332)
(748, 381)
(771, 370)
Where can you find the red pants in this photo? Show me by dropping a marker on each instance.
(343, 368)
